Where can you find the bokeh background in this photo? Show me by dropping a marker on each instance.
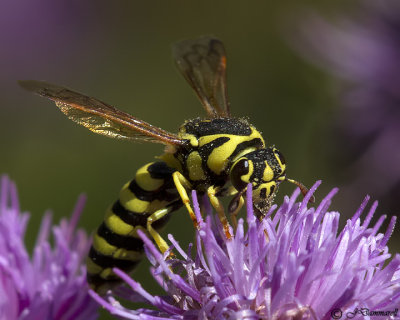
(284, 73)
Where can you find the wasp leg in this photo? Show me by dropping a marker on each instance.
(211, 192)
(223, 192)
(234, 207)
(159, 214)
(231, 191)
(181, 184)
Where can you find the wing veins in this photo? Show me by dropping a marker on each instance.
(202, 62)
(100, 117)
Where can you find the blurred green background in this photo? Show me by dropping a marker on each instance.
(119, 52)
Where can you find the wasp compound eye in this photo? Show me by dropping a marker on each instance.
(240, 173)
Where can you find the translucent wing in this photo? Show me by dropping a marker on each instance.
(98, 116)
(203, 64)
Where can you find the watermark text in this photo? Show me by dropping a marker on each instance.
(340, 314)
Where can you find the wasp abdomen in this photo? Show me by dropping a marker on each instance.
(116, 242)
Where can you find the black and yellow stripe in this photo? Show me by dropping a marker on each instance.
(116, 242)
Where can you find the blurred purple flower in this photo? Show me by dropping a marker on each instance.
(37, 36)
(291, 265)
(364, 50)
(52, 283)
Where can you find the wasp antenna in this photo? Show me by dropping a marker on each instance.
(303, 189)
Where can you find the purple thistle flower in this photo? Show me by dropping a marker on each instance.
(363, 49)
(294, 264)
(52, 283)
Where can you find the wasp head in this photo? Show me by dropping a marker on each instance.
(265, 169)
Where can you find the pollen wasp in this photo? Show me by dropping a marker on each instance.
(204, 155)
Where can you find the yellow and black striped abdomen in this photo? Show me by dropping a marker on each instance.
(116, 242)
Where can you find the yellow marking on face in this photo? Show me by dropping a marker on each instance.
(268, 173)
(118, 226)
(145, 181)
(267, 186)
(130, 202)
(101, 245)
(193, 164)
(256, 193)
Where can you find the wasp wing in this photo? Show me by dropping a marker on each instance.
(203, 64)
(98, 116)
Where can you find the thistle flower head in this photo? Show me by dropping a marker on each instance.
(294, 264)
(51, 284)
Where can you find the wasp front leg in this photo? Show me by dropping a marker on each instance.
(236, 203)
(234, 207)
(181, 184)
(211, 192)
